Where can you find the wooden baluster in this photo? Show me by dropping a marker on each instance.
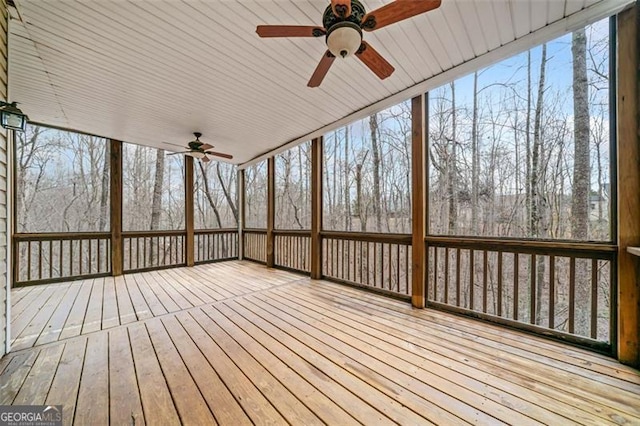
(594, 298)
(572, 293)
(39, 260)
(375, 264)
(28, 260)
(50, 258)
(516, 280)
(552, 291)
(398, 268)
(533, 290)
(499, 307)
(472, 273)
(458, 261)
(60, 274)
(485, 271)
(71, 258)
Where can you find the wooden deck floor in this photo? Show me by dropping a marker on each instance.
(234, 343)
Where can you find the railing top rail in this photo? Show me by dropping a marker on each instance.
(404, 239)
(254, 230)
(161, 233)
(54, 236)
(215, 231)
(302, 232)
(571, 248)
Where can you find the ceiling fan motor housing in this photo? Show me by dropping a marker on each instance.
(344, 35)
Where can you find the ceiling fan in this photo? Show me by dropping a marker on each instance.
(343, 22)
(198, 149)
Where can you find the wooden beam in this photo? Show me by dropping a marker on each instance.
(316, 207)
(115, 188)
(189, 243)
(628, 184)
(418, 208)
(271, 210)
(241, 198)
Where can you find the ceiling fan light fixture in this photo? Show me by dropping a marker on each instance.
(344, 39)
(197, 154)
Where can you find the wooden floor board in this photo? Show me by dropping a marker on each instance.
(140, 306)
(155, 305)
(93, 396)
(38, 323)
(73, 325)
(221, 401)
(323, 381)
(93, 317)
(235, 343)
(323, 405)
(38, 382)
(125, 406)
(126, 311)
(393, 383)
(448, 376)
(64, 388)
(455, 364)
(527, 374)
(253, 402)
(188, 399)
(553, 350)
(154, 393)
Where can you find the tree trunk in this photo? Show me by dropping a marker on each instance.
(536, 215)
(580, 197)
(452, 166)
(581, 173)
(104, 192)
(207, 193)
(227, 195)
(347, 195)
(377, 201)
(475, 159)
(156, 204)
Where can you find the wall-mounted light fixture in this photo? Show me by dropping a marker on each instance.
(11, 117)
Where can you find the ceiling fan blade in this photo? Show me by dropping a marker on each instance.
(205, 146)
(205, 159)
(396, 11)
(341, 8)
(289, 31)
(321, 70)
(219, 154)
(180, 152)
(374, 61)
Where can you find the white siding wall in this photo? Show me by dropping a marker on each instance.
(4, 22)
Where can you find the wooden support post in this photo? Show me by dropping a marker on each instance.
(115, 188)
(418, 209)
(271, 210)
(189, 243)
(316, 207)
(241, 198)
(628, 184)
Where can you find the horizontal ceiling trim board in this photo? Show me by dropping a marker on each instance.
(556, 29)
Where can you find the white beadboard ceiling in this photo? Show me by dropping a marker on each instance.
(152, 72)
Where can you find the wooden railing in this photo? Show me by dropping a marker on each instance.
(144, 250)
(215, 244)
(51, 257)
(255, 245)
(377, 261)
(562, 289)
(293, 249)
